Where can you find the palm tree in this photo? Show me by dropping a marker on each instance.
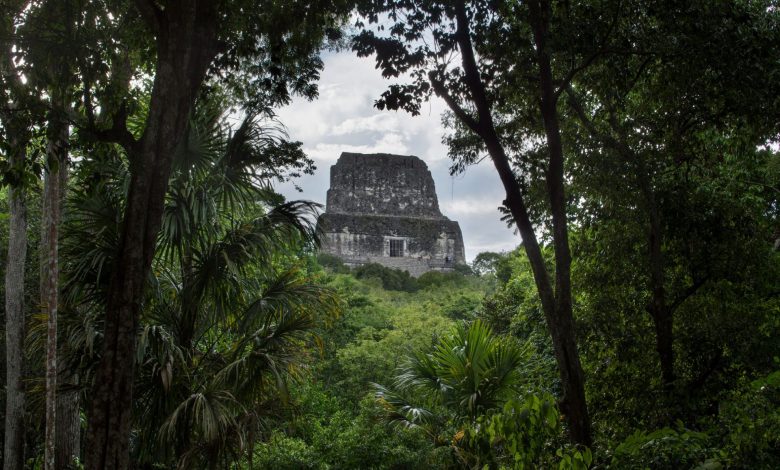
(467, 373)
(228, 316)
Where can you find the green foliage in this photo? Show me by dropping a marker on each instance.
(334, 438)
(520, 436)
(371, 333)
(664, 449)
(748, 423)
(388, 278)
(668, 115)
(434, 279)
(285, 453)
(332, 263)
(468, 372)
(463, 307)
(485, 263)
(464, 269)
(335, 419)
(460, 392)
(513, 308)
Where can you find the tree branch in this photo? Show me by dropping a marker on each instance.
(470, 69)
(576, 106)
(573, 72)
(151, 13)
(117, 133)
(697, 284)
(601, 50)
(460, 113)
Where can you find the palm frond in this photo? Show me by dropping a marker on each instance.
(205, 415)
(470, 370)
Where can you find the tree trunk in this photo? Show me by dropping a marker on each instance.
(50, 298)
(56, 155)
(13, 454)
(659, 308)
(68, 420)
(17, 139)
(556, 303)
(186, 44)
(573, 379)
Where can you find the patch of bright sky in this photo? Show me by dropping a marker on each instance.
(344, 119)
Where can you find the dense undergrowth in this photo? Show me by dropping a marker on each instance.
(350, 413)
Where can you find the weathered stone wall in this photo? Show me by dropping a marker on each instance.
(382, 184)
(366, 235)
(376, 200)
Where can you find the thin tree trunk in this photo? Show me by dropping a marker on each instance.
(186, 44)
(556, 302)
(13, 454)
(566, 347)
(659, 308)
(68, 419)
(68, 422)
(50, 297)
(56, 153)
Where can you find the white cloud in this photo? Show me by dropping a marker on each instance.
(329, 152)
(469, 207)
(380, 122)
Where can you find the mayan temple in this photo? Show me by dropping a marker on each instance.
(382, 208)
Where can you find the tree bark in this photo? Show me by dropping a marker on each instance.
(17, 138)
(186, 45)
(13, 453)
(556, 302)
(56, 155)
(68, 420)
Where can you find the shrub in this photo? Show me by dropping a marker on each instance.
(750, 420)
(664, 449)
(332, 263)
(437, 279)
(392, 279)
(463, 307)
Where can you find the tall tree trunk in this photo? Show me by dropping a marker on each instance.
(186, 45)
(68, 413)
(68, 420)
(17, 138)
(56, 170)
(569, 360)
(13, 451)
(566, 347)
(556, 302)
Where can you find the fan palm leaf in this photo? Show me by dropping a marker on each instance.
(469, 371)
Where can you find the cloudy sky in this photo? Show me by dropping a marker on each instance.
(343, 119)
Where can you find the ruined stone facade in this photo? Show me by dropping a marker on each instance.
(382, 208)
